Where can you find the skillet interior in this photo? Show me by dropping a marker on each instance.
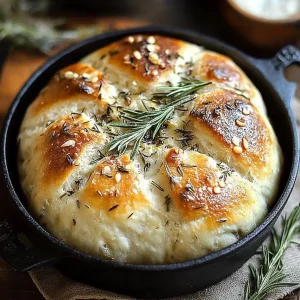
(277, 111)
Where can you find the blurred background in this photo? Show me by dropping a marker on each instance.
(31, 31)
(252, 25)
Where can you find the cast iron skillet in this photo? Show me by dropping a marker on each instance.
(149, 281)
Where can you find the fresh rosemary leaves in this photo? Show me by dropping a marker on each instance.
(139, 123)
(186, 87)
(21, 29)
(269, 275)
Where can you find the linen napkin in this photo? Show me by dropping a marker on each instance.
(53, 285)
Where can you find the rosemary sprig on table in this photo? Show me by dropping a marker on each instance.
(139, 123)
(21, 26)
(269, 275)
(40, 35)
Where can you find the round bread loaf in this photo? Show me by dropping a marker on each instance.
(206, 179)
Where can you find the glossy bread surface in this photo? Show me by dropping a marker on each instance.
(204, 183)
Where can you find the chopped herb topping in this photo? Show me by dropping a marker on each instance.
(78, 203)
(52, 135)
(183, 196)
(180, 171)
(226, 171)
(188, 166)
(189, 187)
(49, 123)
(78, 183)
(100, 156)
(114, 207)
(126, 96)
(144, 158)
(171, 177)
(95, 128)
(186, 135)
(157, 186)
(63, 195)
(167, 202)
(122, 169)
(229, 106)
(69, 159)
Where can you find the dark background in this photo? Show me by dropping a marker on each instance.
(203, 15)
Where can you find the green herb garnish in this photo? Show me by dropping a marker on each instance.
(269, 275)
(21, 29)
(139, 123)
(186, 87)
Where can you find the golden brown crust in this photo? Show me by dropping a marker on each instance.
(77, 81)
(219, 69)
(235, 123)
(114, 188)
(200, 193)
(166, 205)
(61, 145)
(132, 56)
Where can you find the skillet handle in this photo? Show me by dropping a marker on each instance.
(286, 56)
(18, 251)
(273, 70)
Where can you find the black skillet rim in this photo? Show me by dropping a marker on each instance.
(67, 251)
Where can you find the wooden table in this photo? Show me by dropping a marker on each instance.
(19, 66)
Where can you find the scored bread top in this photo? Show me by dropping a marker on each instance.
(203, 182)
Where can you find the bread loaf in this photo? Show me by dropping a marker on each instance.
(206, 180)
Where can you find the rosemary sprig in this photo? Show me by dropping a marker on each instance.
(186, 87)
(39, 35)
(269, 275)
(139, 123)
(21, 29)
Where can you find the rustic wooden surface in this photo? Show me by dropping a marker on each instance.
(18, 67)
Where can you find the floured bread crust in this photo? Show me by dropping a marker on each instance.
(206, 181)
